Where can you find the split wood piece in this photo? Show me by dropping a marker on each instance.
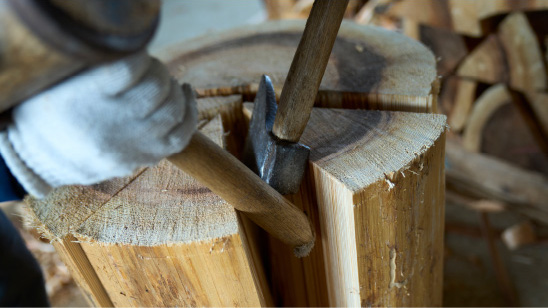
(523, 53)
(502, 123)
(489, 102)
(456, 100)
(230, 109)
(486, 63)
(468, 17)
(512, 56)
(448, 47)
(158, 238)
(486, 177)
(376, 186)
(369, 67)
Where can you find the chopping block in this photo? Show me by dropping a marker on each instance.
(374, 190)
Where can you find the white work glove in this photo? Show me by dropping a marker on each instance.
(103, 123)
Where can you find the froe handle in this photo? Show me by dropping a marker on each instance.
(307, 69)
(245, 191)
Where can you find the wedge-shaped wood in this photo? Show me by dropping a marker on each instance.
(375, 187)
(511, 56)
(158, 238)
(369, 67)
(467, 17)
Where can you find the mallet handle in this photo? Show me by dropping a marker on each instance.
(233, 181)
(307, 69)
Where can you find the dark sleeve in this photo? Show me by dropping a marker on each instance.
(10, 189)
(21, 279)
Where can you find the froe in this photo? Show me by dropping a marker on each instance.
(272, 148)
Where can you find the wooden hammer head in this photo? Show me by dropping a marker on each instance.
(279, 163)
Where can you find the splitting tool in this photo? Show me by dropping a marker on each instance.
(272, 148)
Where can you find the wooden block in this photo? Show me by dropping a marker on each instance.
(375, 186)
(468, 17)
(369, 67)
(486, 63)
(486, 177)
(158, 238)
(456, 99)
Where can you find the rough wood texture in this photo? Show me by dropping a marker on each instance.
(486, 177)
(27, 64)
(376, 187)
(511, 56)
(491, 100)
(486, 63)
(467, 17)
(457, 97)
(158, 238)
(523, 53)
(369, 67)
(307, 69)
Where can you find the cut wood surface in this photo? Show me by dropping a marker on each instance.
(486, 177)
(158, 238)
(448, 47)
(376, 186)
(467, 17)
(369, 67)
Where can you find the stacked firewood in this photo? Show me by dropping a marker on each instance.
(492, 58)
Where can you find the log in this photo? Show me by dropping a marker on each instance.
(369, 67)
(481, 176)
(490, 101)
(158, 238)
(486, 63)
(456, 100)
(468, 17)
(523, 53)
(375, 188)
(512, 56)
(502, 124)
(448, 47)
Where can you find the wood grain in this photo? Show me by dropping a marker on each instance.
(376, 188)
(158, 238)
(307, 69)
(369, 67)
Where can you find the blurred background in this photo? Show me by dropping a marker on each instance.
(492, 59)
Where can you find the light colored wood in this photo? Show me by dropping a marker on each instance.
(461, 94)
(376, 185)
(158, 238)
(369, 67)
(489, 102)
(468, 17)
(307, 69)
(243, 189)
(230, 109)
(486, 63)
(487, 177)
(523, 53)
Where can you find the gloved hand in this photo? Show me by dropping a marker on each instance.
(103, 123)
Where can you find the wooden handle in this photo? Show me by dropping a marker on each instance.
(307, 69)
(233, 181)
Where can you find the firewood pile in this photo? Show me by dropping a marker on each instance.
(492, 62)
